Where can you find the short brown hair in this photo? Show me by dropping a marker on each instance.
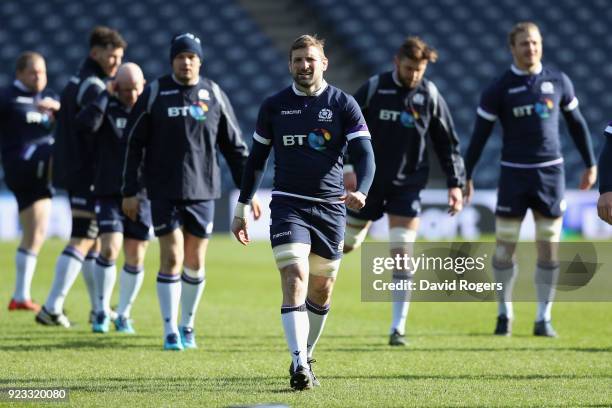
(25, 58)
(305, 41)
(102, 36)
(521, 27)
(416, 49)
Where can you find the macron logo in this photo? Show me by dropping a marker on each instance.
(518, 89)
(281, 234)
(291, 112)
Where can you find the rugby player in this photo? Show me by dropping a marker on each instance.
(308, 124)
(604, 204)
(104, 120)
(27, 115)
(528, 100)
(176, 128)
(73, 170)
(403, 110)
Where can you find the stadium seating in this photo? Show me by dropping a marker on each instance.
(236, 52)
(470, 36)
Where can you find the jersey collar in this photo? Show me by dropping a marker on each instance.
(521, 72)
(19, 85)
(316, 93)
(182, 84)
(396, 79)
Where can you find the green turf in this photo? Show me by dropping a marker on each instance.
(452, 359)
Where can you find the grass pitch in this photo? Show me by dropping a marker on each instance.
(452, 358)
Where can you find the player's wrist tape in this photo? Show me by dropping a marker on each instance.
(348, 168)
(242, 210)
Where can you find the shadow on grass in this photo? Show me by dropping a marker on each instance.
(483, 377)
(255, 384)
(84, 343)
(377, 348)
(210, 344)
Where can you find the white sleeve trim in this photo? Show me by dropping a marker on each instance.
(224, 108)
(608, 129)
(572, 105)
(486, 115)
(92, 80)
(261, 139)
(359, 133)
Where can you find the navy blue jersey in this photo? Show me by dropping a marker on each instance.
(309, 135)
(73, 156)
(605, 162)
(22, 123)
(528, 108)
(104, 120)
(178, 128)
(400, 120)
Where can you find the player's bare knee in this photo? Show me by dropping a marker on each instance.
(503, 257)
(135, 251)
(355, 233)
(135, 256)
(320, 297)
(109, 253)
(134, 259)
(83, 245)
(33, 239)
(320, 288)
(194, 260)
(507, 231)
(548, 235)
(293, 281)
(172, 262)
(38, 238)
(28, 243)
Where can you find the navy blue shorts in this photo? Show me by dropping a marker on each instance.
(540, 189)
(321, 225)
(195, 216)
(405, 203)
(82, 199)
(110, 218)
(28, 178)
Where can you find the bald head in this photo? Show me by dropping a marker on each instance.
(129, 74)
(129, 83)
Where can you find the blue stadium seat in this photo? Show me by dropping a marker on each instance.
(470, 36)
(240, 57)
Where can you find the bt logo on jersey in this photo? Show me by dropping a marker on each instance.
(292, 140)
(175, 111)
(520, 111)
(197, 110)
(316, 139)
(386, 114)
(407, 118)
(542, 108)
